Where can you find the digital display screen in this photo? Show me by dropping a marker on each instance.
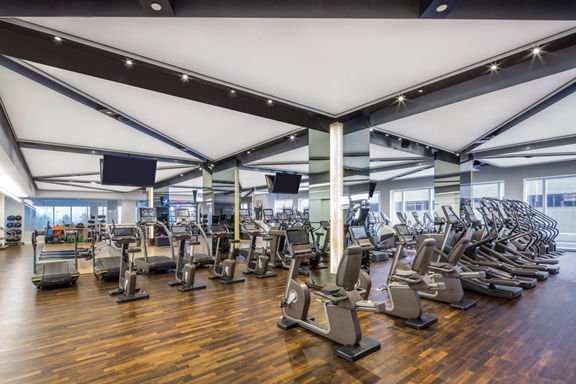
(297, 236)
(123, 231)
(268, 213)
(182, 213)
(288, 212)
(177, 230)
(251, 227)
(244, 212)
(402, 230)
(147, 212)
(131, 171)
(286, 183)
(359, 233)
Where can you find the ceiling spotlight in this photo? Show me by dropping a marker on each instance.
(181, 174)
(493, 67)
(399, 139)
(129, 63)
(458, 154)
(420, 91)
(57, 39)
(371, 129)
(269, 102)
(536, 51)
(441, 8)
(292, 138)
(156, 7)
(527, 147)
(93, 152)
(248, 152)
(184, 77)
(93, 182)
(232, 92)
(401, 98)
(427, 147)
(387, 135)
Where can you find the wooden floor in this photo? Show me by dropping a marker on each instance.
(228, 334)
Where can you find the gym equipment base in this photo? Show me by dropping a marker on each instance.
(424, 321)
(355, 352)
(463, 305)
(231, 281)
(135, 297)
(349, 352)
(191, 287)
(247, 272)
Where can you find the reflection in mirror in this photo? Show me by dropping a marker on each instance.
(446, 182)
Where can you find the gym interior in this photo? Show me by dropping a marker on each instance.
(287, 192)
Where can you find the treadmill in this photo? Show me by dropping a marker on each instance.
(104, 268)
(59, 273)
(150, 264)
(82, 252)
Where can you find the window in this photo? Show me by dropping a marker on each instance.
(555, 197)
(375, 202)
(279, 205)
(80, 215)
(491, 189)
(411, 200)
(302, 204)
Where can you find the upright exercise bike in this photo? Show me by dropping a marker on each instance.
(127, 290)
(343, 324)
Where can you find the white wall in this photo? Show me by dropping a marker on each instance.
(268, 199)
(128, 211)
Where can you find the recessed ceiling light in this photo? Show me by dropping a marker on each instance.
(156, 6)
(181, 174)
(184, 77)
(93, 182)
(441, 8)
(493, 67)
(420, 91)
(427, 147)
(292, 137)
(399, 139)
(248, 152)
(371, 129)
(129, 63)
(527, 147)
(269, 102)
(536, 51)
(57, 39)
(232, 92)
(387, 134)
(401, 98)
(458, 154)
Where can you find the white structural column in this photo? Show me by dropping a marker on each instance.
(336, 192)
(237, 205)
(151, 205)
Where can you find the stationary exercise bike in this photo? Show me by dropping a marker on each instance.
(224, 269)
(256, 264)
(185, 272)
(127, 290)
(343, 324)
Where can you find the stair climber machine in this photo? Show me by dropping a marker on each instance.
(404, 282)
(185, 272)
(224, 269)
(149, 264)
(127, 290)
(338, 301)
(255, 263)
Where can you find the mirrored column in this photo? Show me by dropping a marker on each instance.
(446, 182)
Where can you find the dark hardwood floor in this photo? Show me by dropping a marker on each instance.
(228, 334)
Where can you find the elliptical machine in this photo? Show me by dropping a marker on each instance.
(343, 324)
(224, 269)
(185, 273)
(127, 290)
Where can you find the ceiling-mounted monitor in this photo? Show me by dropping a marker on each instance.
(129, 171)
(286, 183)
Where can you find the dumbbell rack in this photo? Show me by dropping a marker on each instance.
(13, 230)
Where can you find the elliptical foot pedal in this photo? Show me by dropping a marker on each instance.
(117, 291)
(424, 321)
(463, 305)
(135, 297)
(174, 283)
(247, 272)
(191, 287)
(286, 324)
(232, 281)
(355, 352)
(213, 277)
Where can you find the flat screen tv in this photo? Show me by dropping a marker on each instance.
(286, 183)
(130, 171)
(372, 188)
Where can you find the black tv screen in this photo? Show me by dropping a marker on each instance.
(372, 188)
(119, 170)
(286, 183)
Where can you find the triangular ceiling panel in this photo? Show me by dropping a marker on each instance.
(268, 54)
(83, 187)
(302, 168)
(163, 174)
(38, 113)
(212, 131)
(425, 173)
(506, 162)
(251, 179)
(378, 164)
(454, 126)
(557, 120)
(380, 152)
(299, 154)
(387, 175)
(193, 183)
(52, 163)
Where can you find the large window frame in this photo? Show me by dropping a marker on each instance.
(393, 202)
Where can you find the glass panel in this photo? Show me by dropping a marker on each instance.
(561, 206)
(80, 215)
(43, 216)
(61, 215)
(534, 192)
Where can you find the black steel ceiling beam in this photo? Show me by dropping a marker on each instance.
(410, 172)
(81, 186)
(275, 147)
(527, 155)
(158, 8)
(561, 93)
(400, 144)
(40, 47)
(257, 168)
(526, 146)
(64, 89)
(98, 151)
(519, 67)
(185, 176)
(437, 9)
(389, 9)
(385, 159)
(13, 150)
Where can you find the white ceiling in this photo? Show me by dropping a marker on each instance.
(557, 120)
(558, 149)
(425, 173)
(454, 126)
(302, 168)
(506, 162)
(83, 187)
(386, 175)
(329, 64)
(379, 152)
(37, 113)
(378, 164)
(196, 182)
(251, 179)
(214, 132)
(298, 154)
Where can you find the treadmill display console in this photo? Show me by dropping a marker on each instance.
(244, 212)
(297, 236)
(182, 214)
(288, 212)
(179, 230)
(359, 233)
(148, 215)
(119, 232)
(249, 227)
